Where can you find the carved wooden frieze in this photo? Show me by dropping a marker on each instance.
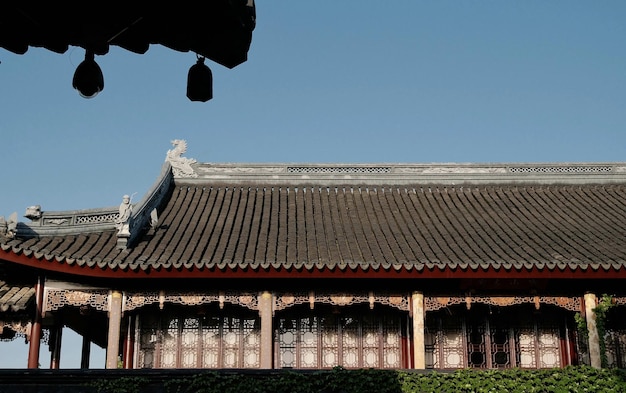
(434, 303)
(133, 300)
(56, 299)
(286, 300)
(20, 327)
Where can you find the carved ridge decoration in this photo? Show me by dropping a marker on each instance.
(287, 300)
(78, 219)
(181, 166)
(562, 169)
(57, 221)
(133, 300)
(265, 169)
(338, 169)
(449, 170)
(59, 298)
(434, 303)
(96, 218)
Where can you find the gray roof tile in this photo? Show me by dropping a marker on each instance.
(391, 227)
(14, 298)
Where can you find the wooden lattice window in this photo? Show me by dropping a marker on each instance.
(187, 339)
(615, 338)
(346, 338)
(486, 338)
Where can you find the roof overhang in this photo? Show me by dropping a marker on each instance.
(220, 30)
(51, 264)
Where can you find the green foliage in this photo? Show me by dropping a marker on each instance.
(214, 382)
(337, 380)
(119, 385)
(572, 379)
(601, 310)
(581, 325)
(569, 379)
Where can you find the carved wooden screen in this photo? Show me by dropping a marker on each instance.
(190, 340)
(486, 338)
(615, 338)
(345, 338)
(616, 348)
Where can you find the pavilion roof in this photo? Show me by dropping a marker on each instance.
(337, 218)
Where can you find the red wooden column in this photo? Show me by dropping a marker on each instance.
(129, 344)
(35, 331)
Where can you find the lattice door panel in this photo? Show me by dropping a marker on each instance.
(329, 340)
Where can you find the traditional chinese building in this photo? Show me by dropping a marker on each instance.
(312, 266)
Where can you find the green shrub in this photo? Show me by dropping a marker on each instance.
(569, 379)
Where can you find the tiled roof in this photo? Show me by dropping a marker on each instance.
(15, 298)
(439, 217)
(343, 217)
(387, 227)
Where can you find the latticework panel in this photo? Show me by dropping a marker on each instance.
(309, 331)
(500, 346)
(251, 344)
(371, 342)
(477, 346)
(56, 299)
(391, 343)
(199, 341)
(616, 348)
(506, 339)
(549, 347)
(169, 345)
(615, 336)
(231, 331)
(526, 347)
(445, 343)
(211, 333)
(351, 342)
(329, 340)
(149, 335)
(189, 342)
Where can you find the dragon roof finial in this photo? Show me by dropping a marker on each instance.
(181, 166)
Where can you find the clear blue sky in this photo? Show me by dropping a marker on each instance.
(326, 81)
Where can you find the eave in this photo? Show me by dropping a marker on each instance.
(566, 273)
(220, 30)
